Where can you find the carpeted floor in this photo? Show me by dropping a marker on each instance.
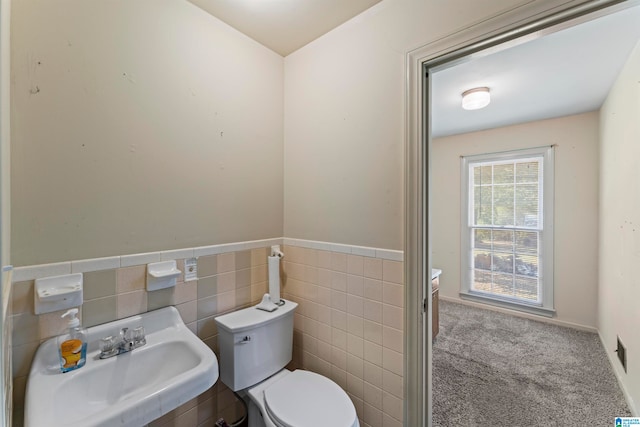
(492, 369)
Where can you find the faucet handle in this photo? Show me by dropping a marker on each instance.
(139, 335)
(108, 346)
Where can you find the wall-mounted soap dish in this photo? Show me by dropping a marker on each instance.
(161, 275)
(57, 293)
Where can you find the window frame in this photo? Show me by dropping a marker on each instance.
(545, 307)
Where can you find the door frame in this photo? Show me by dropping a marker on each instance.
(526, 22)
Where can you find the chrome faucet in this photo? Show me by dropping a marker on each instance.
(128, 340)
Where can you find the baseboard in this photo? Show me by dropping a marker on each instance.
(521, 314)
(613, 361)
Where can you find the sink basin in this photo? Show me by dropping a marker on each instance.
(131, 389)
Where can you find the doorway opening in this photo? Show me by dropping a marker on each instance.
(424, 65)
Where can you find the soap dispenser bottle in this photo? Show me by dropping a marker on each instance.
(72, 346)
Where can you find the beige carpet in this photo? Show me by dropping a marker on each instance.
(492, 369)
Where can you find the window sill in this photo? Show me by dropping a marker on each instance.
(531, 309)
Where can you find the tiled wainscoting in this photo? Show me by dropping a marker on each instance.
(348, 326)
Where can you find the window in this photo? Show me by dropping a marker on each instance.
(507, 229)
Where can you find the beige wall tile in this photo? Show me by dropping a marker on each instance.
(131, 303)
(373, 332)
(355, 345)
(243, 278)
(324, 259)
(355, 265)
(391, 406)
(339, 319)
(373, 374)
(339, 339)
(99, 284)
(188, 311)
(52, 324)
(355, 305)
(393, 339)
(392, 361)
(160, 298)
(373, 289)
(355, 366)
(258, 290)
(324, 332)
(311, 274)
(259, 274)
(131, 279)
(294, 254)
(392, 383)
(339, 300)
(373, 310)
(339, 376)
(372, 415)
(339, 281)
(207, 287)
(355, 386)
(392, 271)
(207, 265)
(259, 256)
(186, 291)
(393, 294)
(226, 282)
(295, 271)
(243, 297)
(226, 262)
(310, 257)
(373, 394)
(324, 351)
(98, 311)
(243, 260)
(22, 297)
(392, 316)
(339, 358)
(373, 268)
(372, 353)
(208, 307)
(25, 329)
(355, 325)
(22, 356)
(358, 404)
(388, 421)
(325, 277)
(339, 262)
(207, 328)
(355, 285)
(323, 296)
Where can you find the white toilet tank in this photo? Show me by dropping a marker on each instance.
(254, 344)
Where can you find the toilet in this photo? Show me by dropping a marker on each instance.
(255, 347)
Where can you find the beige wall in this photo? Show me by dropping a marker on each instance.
(344, 120)
(140, 126)
(575, 205)
(5, 224)
(619, 277)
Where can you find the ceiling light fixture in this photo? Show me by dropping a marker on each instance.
(476, 98)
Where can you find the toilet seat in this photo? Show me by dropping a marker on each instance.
(306, 399)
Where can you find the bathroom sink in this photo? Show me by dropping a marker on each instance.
(131, 389)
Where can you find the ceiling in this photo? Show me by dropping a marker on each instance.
(284, 26)
(568, 72)
(564, 73)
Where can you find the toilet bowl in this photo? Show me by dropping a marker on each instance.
(255, 346)
(301, 399)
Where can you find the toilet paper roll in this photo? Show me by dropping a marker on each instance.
(274, 278)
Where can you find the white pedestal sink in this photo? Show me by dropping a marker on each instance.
(131, 389)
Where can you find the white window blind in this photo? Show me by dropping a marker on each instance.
(506, 226)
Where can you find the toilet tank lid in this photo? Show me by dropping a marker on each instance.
(251, 317)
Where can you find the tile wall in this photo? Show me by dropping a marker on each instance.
(348, 326)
